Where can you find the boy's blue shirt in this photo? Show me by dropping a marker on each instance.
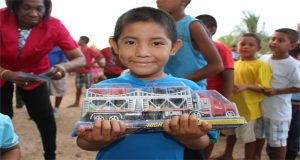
(146, 145)
(187, 60)
(8, 138)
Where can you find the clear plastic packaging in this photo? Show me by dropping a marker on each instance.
(146, 108)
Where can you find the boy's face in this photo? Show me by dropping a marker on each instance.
(247, 48)
(280, 43)
(81, 43)
(144, 48)
(168, 5)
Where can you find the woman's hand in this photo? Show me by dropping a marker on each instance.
(18, 79)
(57, 72)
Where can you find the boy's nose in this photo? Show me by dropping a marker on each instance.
(142, 50)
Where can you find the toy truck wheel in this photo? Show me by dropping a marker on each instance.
(230, 113)
(197, 114)
(98, 117)
(114, 117)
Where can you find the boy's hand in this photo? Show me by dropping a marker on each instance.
(270, 91)
(185, 128)
(102, 133)
(239, 87)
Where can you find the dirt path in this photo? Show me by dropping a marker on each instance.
(30, 140)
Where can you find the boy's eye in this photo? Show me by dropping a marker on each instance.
(251, 45)
(129, 42)
(158, 43)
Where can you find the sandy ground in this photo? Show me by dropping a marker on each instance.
(30, 140)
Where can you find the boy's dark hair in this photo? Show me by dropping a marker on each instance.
(208, 20)
(292, 34)
(188, 2)
(147, 14)
(257, 39)
(85, 39)
(295, 52)
(13, 5)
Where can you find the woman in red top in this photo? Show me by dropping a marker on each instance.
(28, 33)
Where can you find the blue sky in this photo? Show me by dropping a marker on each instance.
(96, 18)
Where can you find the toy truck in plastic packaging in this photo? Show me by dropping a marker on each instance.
(149, 106)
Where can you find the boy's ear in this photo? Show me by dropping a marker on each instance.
(175, 47)
(212, 30)
(113, 45)
(293, 45)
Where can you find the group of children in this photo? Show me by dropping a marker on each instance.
(262, 92)
(146, 42)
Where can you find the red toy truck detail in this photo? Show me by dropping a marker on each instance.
(153, 103)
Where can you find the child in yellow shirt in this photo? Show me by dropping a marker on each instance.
(251, 76)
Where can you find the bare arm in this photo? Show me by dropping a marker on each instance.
(241, 87)
(75, 56)
(76, 60)
(199, 143)
(101, 61)
(14, 77)
(85, 145)
(227, 87)
(12, 154)
(204, 44)
(273, 91)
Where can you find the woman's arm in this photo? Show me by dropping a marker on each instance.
(76, 60)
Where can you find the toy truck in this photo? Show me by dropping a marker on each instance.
(155, 103)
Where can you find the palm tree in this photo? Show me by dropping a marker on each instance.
(249, 24)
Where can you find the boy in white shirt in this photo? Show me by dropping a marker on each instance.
(277, 108)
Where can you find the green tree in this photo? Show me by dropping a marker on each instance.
(249, 24)
(229, 39)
